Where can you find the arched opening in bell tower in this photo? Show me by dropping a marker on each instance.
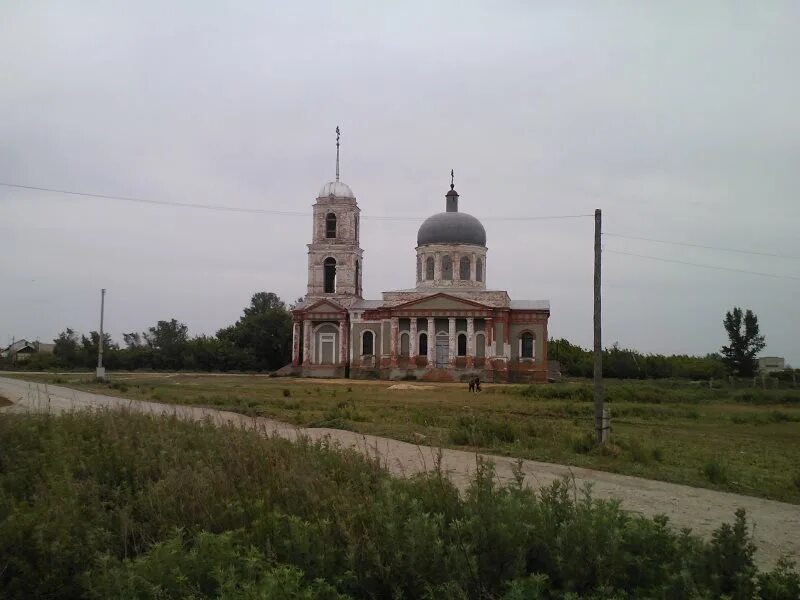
(330, 225)
(330, 275)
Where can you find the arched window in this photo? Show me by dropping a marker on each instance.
(429, 268)
(479, 270)
(367, 343)
(447, 267)
(462, 344)
(419, 269)
(404, 343)
(526, 345)
(423, 344)
(480, 345)
(330, 275)
(463, 268)
(330, 226)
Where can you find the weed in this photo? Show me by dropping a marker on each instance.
(287, 393)
(165, 508)
(639, 452)
(715, 472)
(583, 443)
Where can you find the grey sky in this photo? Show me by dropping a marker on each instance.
(679, 120)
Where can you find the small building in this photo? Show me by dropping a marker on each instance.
(21, 350)
(449, 327)
(771, 364)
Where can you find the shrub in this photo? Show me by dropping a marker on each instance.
(583, 443)
(287, 393)
(111, 505)
(715, 472)
(639, 453)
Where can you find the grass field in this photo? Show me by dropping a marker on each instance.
(744, 441)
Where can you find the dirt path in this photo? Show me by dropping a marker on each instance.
(777, 524)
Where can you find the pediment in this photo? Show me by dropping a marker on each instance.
(441, 301)
(324, 306)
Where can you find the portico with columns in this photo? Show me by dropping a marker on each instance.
(449, 327)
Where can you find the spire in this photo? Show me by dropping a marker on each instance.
(451, 203)
(337, 153)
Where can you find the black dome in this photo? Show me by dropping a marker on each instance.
(451, 228)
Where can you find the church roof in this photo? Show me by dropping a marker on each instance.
(336, 188)
(451, 228)
(529, 305)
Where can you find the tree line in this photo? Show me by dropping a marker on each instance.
(261, 340)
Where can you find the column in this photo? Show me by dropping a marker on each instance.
(342, 342)
(507, 336)
(488, 328)
(473, 263)
(545, 341)
(307, 342)
(412, 341)
(470, 342)
(431, 342)
(452, 349)
(296, 343)
(395, 332)
(437, 266)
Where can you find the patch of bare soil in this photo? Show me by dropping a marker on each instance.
(408, 386)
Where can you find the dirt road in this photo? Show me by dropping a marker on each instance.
(777, 524)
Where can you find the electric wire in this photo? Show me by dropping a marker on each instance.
(683, 262)
(265, 211)
(705, 247)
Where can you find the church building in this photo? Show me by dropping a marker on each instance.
(449, 327)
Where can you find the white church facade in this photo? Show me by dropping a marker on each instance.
(449, 327)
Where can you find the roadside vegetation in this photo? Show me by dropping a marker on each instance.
(739, 440)
(115, 505)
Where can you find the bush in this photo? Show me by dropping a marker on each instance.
(715, 472)
(110, 505)
(287, 393)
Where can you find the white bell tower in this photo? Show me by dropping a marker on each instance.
(334, 255)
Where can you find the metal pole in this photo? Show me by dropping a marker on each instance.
(598, 344)
(101, 372)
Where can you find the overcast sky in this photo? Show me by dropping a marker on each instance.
(680, 121)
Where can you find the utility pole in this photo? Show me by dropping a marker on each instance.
(11, 350)
(101, 371)
(600, 424)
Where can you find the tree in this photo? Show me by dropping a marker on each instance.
(91, 349)
(265, 331)
(132, 340)
(67, 350)
(745, 342)
(170, 339)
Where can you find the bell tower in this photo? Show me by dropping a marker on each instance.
(334, 255)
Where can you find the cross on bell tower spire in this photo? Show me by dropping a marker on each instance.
(452, 180)
(337, 153)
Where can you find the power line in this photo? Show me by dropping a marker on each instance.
(721, 249)
(265, 211)
(682, 262)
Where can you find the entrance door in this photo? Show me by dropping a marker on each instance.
(442, 351)
(327, 349)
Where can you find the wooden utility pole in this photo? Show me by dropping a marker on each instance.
(599, 424)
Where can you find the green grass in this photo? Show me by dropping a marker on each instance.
(669, 430)
(117, 505)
